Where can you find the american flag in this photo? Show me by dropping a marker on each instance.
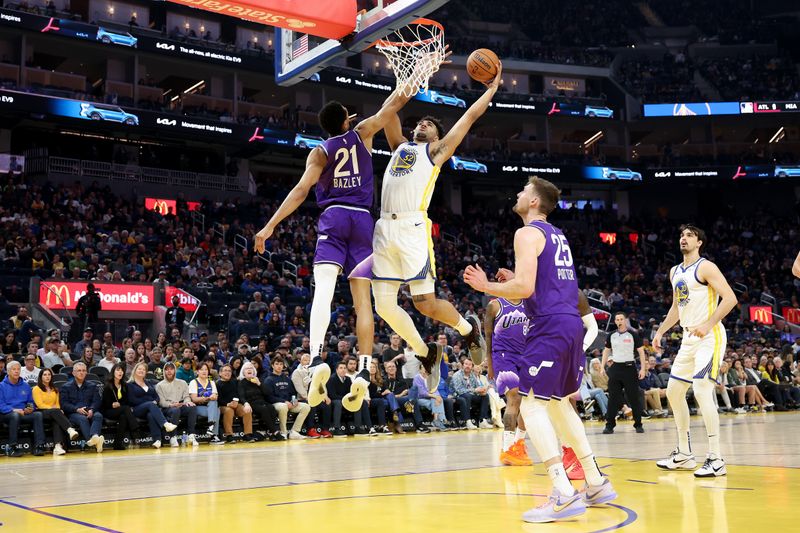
(300, 47)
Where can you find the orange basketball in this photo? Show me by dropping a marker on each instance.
(482, 65)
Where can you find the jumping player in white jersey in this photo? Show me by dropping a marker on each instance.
(402, 245)
(697, 286)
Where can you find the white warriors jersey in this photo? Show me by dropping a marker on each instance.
(696, 301)
(409, 179)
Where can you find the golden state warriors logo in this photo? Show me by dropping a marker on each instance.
(682, 293)
(403, 162)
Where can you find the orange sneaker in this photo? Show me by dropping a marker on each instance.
(571, 464)
(516, 455)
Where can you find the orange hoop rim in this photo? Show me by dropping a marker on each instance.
(419, 22)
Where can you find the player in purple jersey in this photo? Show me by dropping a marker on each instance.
(341, 171)
(545, 279)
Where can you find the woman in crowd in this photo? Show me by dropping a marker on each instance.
(141, 352)
(748, 395)
(203, 392)
(45, 397)
(254, 402)
(589, 393)
(230, 406)
(600, 381)
(770, 373)
(144, 401)
(161, 340)
(9, 344)
(116, 406)
(378, 403)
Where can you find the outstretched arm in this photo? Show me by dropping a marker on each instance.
(394, 133)
(796, 266)
(488, 328)
(314, 166)
(368, 127)
(443, 149)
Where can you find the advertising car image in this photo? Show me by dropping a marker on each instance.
(301, 140)
(787, 171)
(467, 163)
(611, 174)
(598, 111)
(445, 99)
(113, 113)
(112, 37)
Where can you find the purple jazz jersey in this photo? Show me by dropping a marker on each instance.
(553, 358)
(344, 237)
(347, 178)
(508, 343)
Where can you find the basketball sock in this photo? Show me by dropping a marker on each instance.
(325, 281)
(544, 438)
(519, 434)
(363, 362)
(704, 394)
(572, 433)
(386, 306)
(508, 440)
(676, 395)
(560, 480)
(463, 327)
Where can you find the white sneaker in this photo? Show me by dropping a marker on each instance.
(471, 424)
(58, 450)
(711, 468)
(73, 433)
(191, 439)
(485, 425)
(739, 411)
(294, 435)
(92, 441)
(169, 427)
(156, 444)
(677, 461)
(173, 442)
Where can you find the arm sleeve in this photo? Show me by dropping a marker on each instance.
(637, 340)
(591, 330)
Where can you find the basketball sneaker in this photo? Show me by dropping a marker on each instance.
(557, 507)
(677, 461)
(358, 390)
(313, 433)
(712, 467)
(317, 389)
(476, 344)
(593, 496)
(516, 455)
(571, 464)
(432, 363)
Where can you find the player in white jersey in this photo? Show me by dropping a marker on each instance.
(697, 286)
(402, 244)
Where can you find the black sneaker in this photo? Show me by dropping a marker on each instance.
(640, 429)
(476, 345)
(277, 437)
(215, 440)
(607, 430)
(229, 439)
(38, 451)
(423, 429)
(13, 451)
(258, 437)
(384, 430)
(339, 433)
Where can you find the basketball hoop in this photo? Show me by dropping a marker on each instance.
(415, 53)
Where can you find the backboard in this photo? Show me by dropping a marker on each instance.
(298, 56)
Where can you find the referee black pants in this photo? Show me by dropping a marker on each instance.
(623, 376)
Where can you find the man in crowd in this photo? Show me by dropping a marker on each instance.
(176, 315)
(80, 401)
(16, 406)
(85, 341)
(174, 400)
(30, 372)
(279, 391)
(394, 352)
(467, 385)
(397, 387)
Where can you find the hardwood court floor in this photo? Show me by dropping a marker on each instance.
(438, 483)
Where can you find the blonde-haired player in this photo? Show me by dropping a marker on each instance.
(697, 286)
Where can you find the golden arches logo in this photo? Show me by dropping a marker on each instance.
(762, 315)
(161, 207)
(59, 294)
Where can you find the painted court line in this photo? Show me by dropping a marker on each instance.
(59, 517)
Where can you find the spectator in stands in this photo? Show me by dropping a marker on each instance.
(251, 395)
(144, 401)
(589, 393)
(467, 385)
(16, 406)
(237, 318)
(10, 344)
(85, 342)
(257, 305)
(786, 382)
(747, 395)
(279, 391)
(115, 406)
(653, 393)
(3, 368)
(768, 389)
(45, 396)
(230, 406)
(54, 355)
(301, 379)
(394, 352)
(431, 402)
(81, 403)
(175, 400)
(770, 373)
(338, 387)
(185, 372)
(397, 397)
(110, 360)
(203, 392)
(89, 305)
(30, 373)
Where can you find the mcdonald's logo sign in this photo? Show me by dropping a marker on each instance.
(160, 205)
(791, 314)
(761, 313)
(58, 296)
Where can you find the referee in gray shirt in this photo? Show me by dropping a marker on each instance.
(620, 346)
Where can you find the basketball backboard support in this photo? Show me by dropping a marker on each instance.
(299, 56)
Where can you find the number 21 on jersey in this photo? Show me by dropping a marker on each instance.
(342, 177)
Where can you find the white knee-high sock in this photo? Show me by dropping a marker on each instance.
(385, 293)
(704, 394)
(676, 395)
(325, 284)
(572, 433)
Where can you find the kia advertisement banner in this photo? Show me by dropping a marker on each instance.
(187, 301)
(761, 314)
(59, 295)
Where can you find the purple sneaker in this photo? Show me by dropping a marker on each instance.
(557, 507)
(593, 496)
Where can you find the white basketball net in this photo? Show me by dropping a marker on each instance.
(415, 54)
